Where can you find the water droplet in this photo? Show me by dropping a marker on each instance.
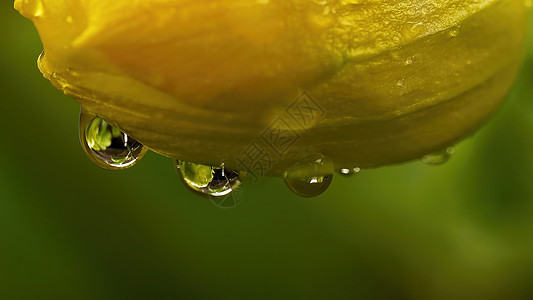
(107, 146)
(410, 60)
(59, 81)
(40, 59)
(440, 157)
(310, 179)
(400, 82)
(349, 171)
(212, 181)
(455, 31)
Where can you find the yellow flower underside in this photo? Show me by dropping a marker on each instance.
(200, 80)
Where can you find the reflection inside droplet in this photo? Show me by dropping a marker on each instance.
(349, 171)
(208, 180)
(455, 31)
(107, 146)
(440, 157)
(310, 179)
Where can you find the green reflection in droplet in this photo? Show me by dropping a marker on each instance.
(107, 146)
(212, 181)
(311, 177)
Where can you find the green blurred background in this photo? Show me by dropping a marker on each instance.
(69, 230)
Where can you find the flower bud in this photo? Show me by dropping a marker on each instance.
(362, 82)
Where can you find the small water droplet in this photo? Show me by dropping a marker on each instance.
(59, 81)
(107, 146)
(212, 181)
(40, 59)
(440, 157)
(410, 60)
(349, 171)
(310, 179)
(400, 82)
(455, 31)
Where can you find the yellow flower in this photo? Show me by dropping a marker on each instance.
(202, 80)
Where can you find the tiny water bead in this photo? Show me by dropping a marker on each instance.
(440, 157)
(349, 171)
(212, 181)
(107, 146)
(455, 31)
(409, 60)
(310, 179)
(400, 82)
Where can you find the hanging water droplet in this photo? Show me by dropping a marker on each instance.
(440, 157)
(310, 179)
(349, 171)
(209, 180)
(107, 146)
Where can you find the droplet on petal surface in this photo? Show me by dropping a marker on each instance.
(455, 31)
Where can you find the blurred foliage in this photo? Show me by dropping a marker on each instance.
(69, 230)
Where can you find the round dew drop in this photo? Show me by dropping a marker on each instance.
(310, 179)
(107, 146)
(212, 181)
(349, 171)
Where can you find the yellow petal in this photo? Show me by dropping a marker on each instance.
(201, 80)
